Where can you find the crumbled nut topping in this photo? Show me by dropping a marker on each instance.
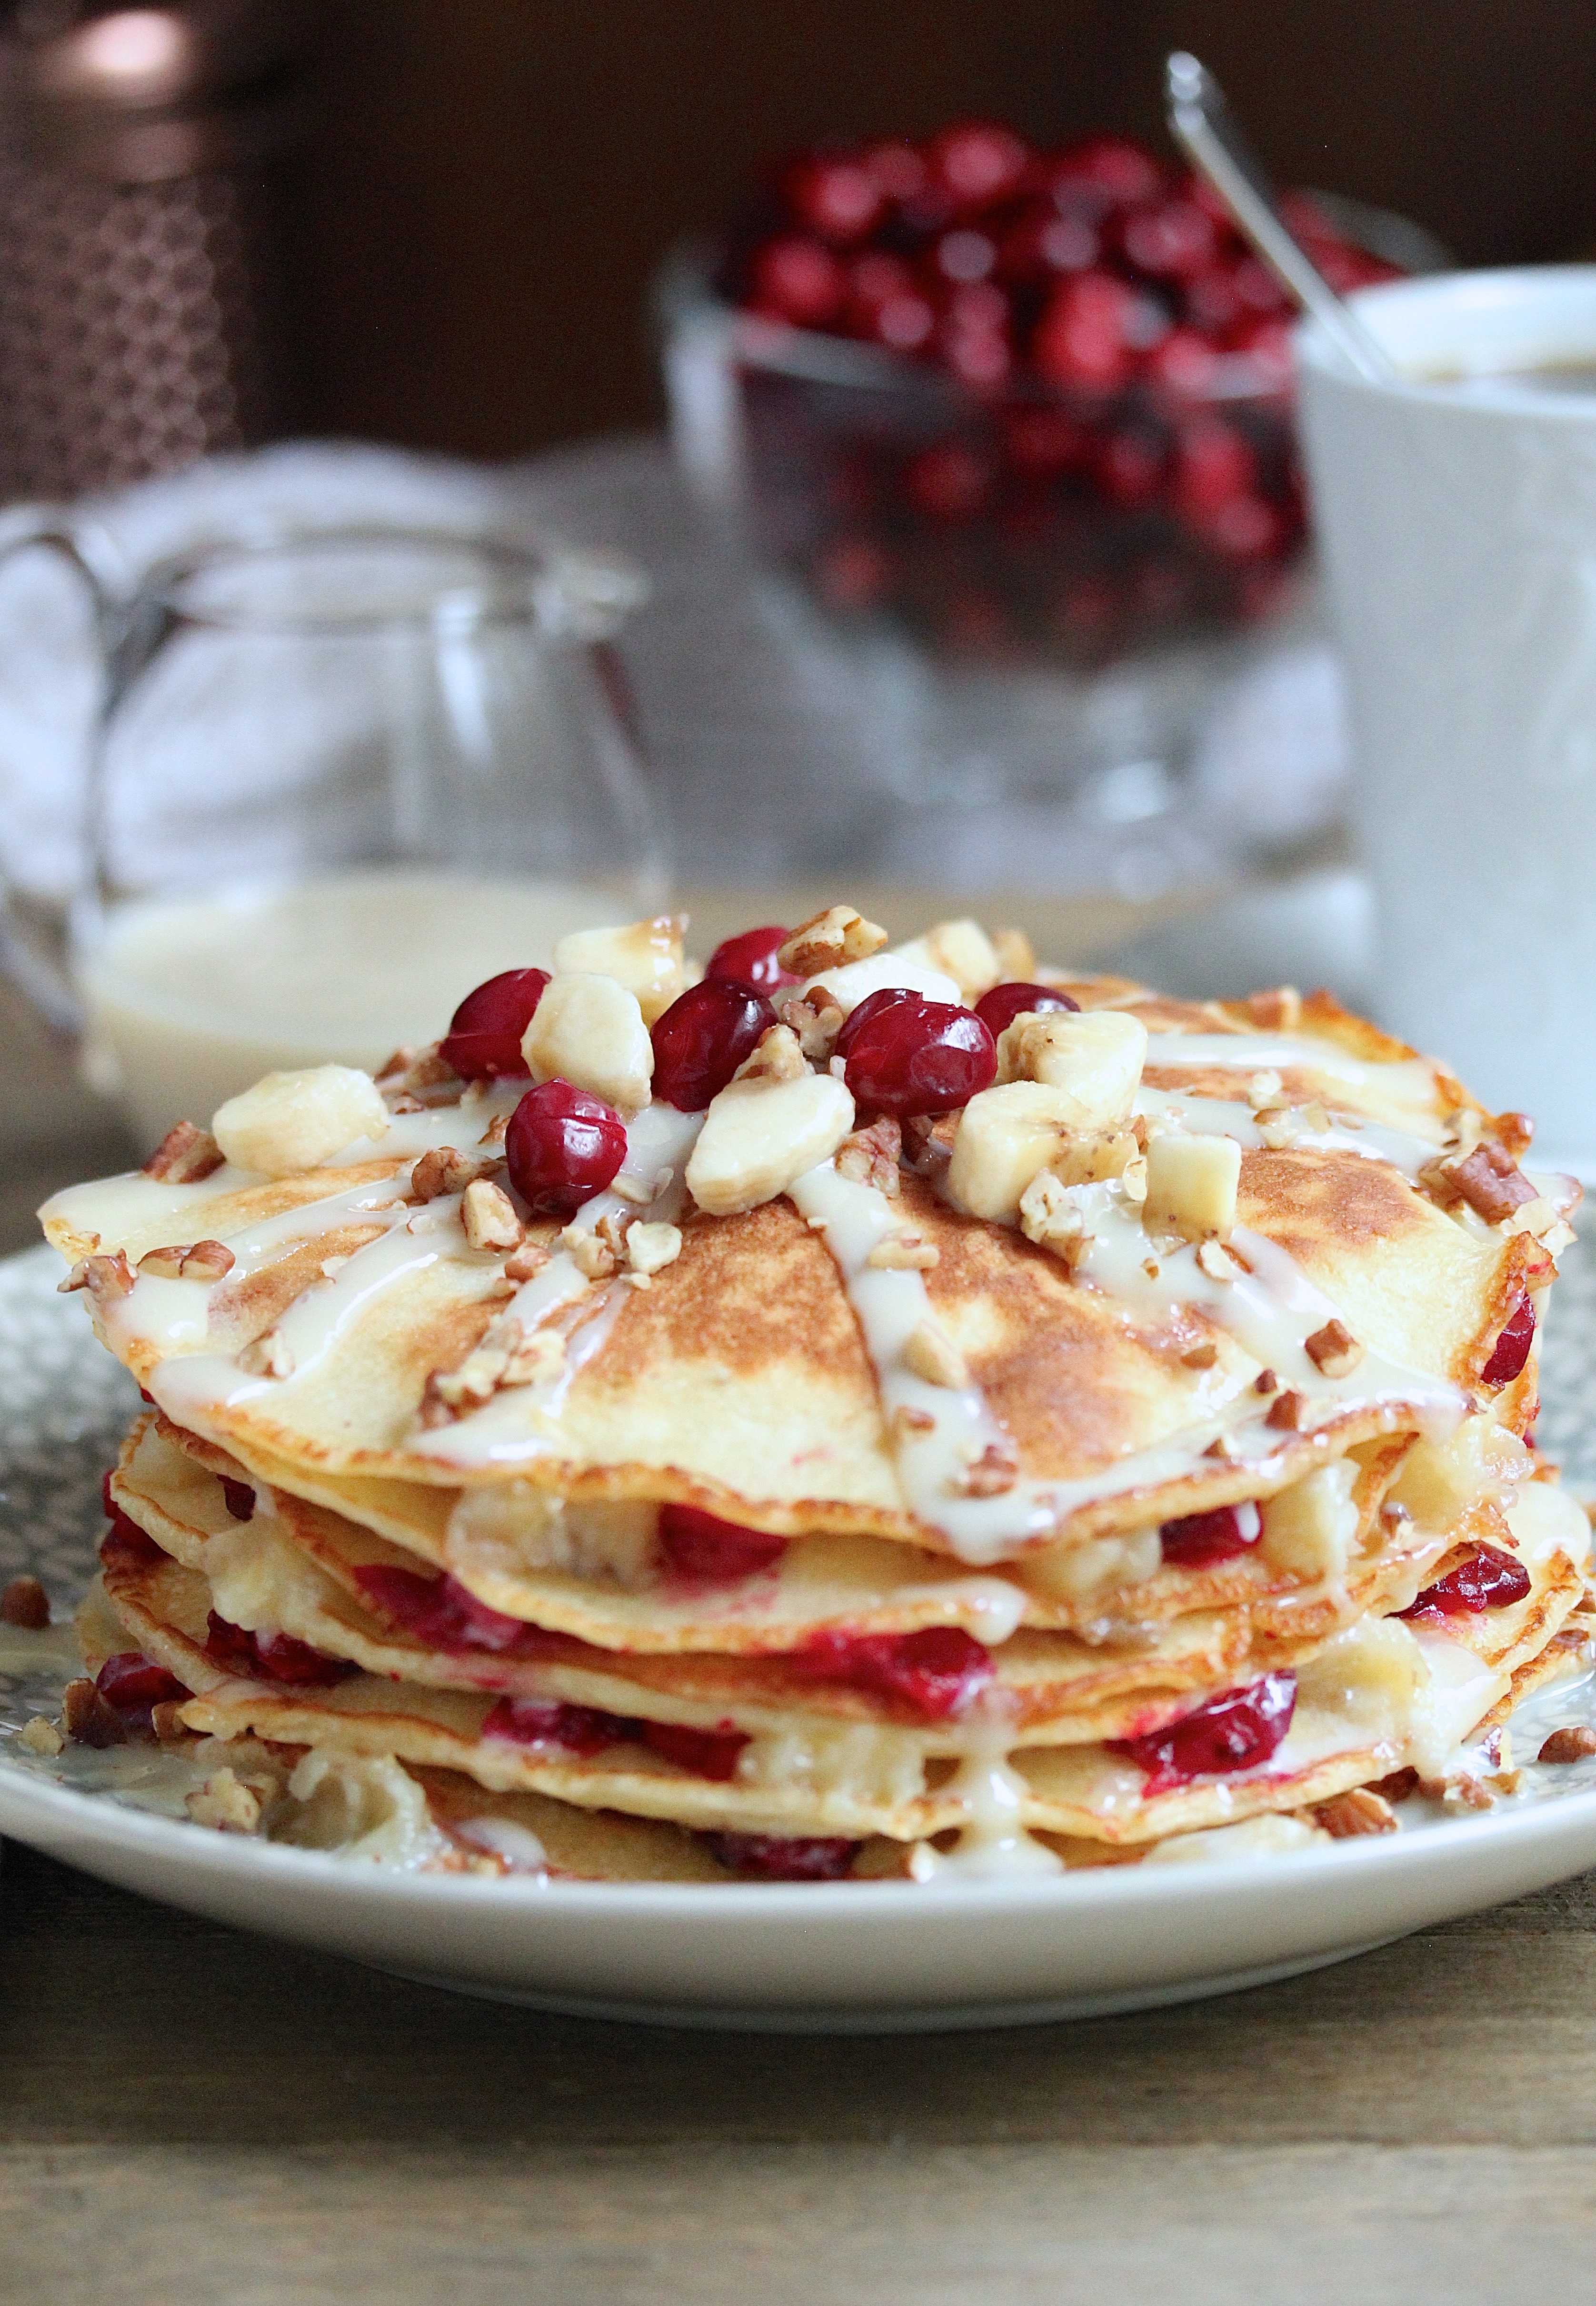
(443, 1169)
(87, 1719)
(507, 1356)
(650, 1248)
(24, 1602)
(777, 1055)
(422, 1074)
(1265, 1381)
(908, 1420)
(870, 1157)
(1332, 1350)
(1572, 1745)
(1053, 1219)
(1397, 1786)
(1285, 1412)
(639, 1190)
(1487, 1179)
(592, 1257)
(1264, 1092)
(1514, 1133)
(904, 1252)
(1201, 1355)
(102, 1277)
(489, 1217)
(815, 1018)
(530, 1258)
(225, 1804)
(492, 1138)
(199, 1261)
(829, 939)
(40, 1737)
(930, 1354)
(1218, 1262)
(185, 1155)
(1360, 1811)
(992, 1475)
(167, 1722)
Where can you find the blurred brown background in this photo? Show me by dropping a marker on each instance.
(491, 181)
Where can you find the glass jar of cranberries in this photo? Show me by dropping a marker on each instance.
(1031, 405)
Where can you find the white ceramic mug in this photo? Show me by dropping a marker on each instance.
(1458, 524)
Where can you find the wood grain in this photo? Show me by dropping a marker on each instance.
(188, 2112)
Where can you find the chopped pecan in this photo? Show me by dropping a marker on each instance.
(102, 1277)
(1332, 1350)
(1360, 1811)
(1572, 1745)
(86, 1717)
(24, 1602)
(1202, 1356)
(1397, 1786)
(927, 1144)
(529, 1259)
(870, 1157)
(224, 1803)
(829, 939)
(413, 1072)
(650, 1248)
(167, 1722)
(40, 1736)
(492, 1138)
(196, 1261)
(1285, 1412)
(1266, 1382)
(993, 1473)
(444, 1169)
(908, 1420)
(184, 1156)
(932, 1355)
(904, 1252)
(816, 1020)
(1487, 1179)
(1513, 1132)
(592, 1257)
(778, 1056)
(489, 1217)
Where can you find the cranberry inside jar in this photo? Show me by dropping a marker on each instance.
(702, 1038)
(562, 1146)
(919, 1057)
(483, 1041)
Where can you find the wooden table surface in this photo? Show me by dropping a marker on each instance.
(189, 2114)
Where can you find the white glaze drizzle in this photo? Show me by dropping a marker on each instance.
(994, 1846)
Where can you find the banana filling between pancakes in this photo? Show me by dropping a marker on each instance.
(889, 1411)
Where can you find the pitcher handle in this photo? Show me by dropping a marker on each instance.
(40, 976)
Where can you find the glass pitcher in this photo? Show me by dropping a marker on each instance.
(336, 780)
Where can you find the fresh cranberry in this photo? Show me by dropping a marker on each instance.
(1266, 345)
(1042, 442)
(1512, 1348)
(798, 279)
(853, 573)
(1087, 335)
(979, 354)
(1185, 363)
(920, 1057)
(937, 1672)
(950, 480)
(1198, 1540)
(1259, 294)
(978, 164)
(1247, 528)
(133, 1685)
(750, 959)
(872, 1005)
(1213, 467)
(702, 1038)
(1212, 305)
(898, 169)
(836, 195)
(125, 1542)
(783, 1858)
(443, 1615)
(1041, 244)
(562, 1146)
(548, 1725)
(964, 254)
(998, 1009)
(886, 304)
(1128, 464)
(1176, 241)
(239, 1498)
(1231, 1732)
(1487, 1580)
(1122, 171)
(714, 1552)
(483, 1041)
(707, 1753)
(272, 1657)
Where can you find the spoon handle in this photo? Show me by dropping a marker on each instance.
(1202, 125)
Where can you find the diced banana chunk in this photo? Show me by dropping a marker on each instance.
(588, 1029)
(1096, 1057)
(760, 1135)
(960, 950)
(1192, 1186)
(645, 956)
(1068, 1573)
(1478, 1461)
(294, 1121)
(1007, 1136)
(1311, 1528)
(856, 980)
(1369, 1675)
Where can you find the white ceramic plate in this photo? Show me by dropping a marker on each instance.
(860, 1957)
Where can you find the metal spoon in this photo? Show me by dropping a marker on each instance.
(1200, 122)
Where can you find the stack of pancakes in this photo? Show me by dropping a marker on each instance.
(707, 1575)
